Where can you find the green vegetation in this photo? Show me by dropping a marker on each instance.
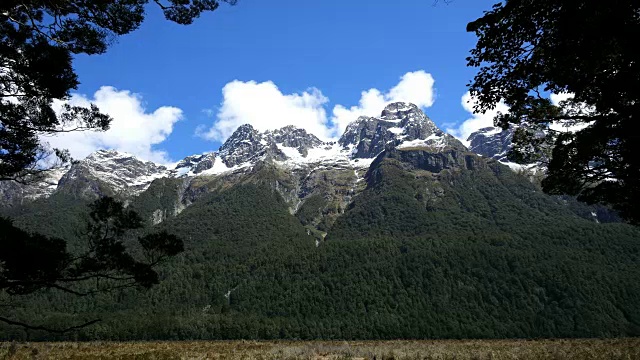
(106, 257)
(473, 252)
(311, 209)
(38, 41)
(529, 50)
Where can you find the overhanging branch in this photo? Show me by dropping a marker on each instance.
(44, 328)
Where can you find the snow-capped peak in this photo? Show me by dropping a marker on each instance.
(398, 110)
(398, 124)
(491, 142)
(123, 173)
(494, 142)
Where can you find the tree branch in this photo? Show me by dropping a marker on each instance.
(44, 328)
(163, 7)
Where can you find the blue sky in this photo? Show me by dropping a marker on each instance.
(278, 61)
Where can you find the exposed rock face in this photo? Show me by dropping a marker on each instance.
(108, 172)
(245, 144)
(491, 142)
(426, 160)
(400, 123)
(196, 163)
(319, 180)
(434, 162)
(306, 171)
(333, 171)
(293, 137)
(13, 193)
(325, 192)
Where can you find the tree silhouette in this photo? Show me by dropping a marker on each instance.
(30, 262)
(38, 39)
(528, 50)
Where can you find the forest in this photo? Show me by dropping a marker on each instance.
(433, 242)
(490, 256)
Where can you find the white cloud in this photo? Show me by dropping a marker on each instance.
(575, 108)
(133, 129)
(414, 87)
(477, 121)
(265, 107)
(557, 98)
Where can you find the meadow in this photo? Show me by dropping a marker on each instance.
(584, 349)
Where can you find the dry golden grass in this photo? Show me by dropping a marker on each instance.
(583, 349)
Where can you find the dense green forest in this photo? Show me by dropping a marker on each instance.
(469, 252)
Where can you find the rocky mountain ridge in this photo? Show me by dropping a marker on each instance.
(13, 193)
(492, 142)
(108, 172)
(495, 143)
(123, 174)
(297, 164)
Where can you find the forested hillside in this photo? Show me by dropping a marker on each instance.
(438, 245)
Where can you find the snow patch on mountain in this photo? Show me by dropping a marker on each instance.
(433, 141)
(494, 142)
(123, 173)
(400, 125)
(329, 154)
(14, 193)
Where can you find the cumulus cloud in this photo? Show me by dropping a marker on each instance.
(477, 121)
(575, 108)
(557, 98)
(414, 87)
(264, 106)
(133, 130)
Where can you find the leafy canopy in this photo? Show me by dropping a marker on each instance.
(528, 49)
(37, 41)
(30, 262)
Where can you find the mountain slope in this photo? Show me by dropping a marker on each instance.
(290, 237)
(396, 264)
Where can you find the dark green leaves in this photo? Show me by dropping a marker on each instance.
(30, 262)
(37, 42)
(186, 11)
(529, 49)
(159, 245)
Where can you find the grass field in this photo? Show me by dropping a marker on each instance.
(586, 349)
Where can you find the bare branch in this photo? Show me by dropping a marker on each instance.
(44, 328)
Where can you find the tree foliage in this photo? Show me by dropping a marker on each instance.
(527, 50)
(38, 39)
(30, 262)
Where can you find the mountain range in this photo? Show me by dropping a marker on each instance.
(395, 230)
(401, 127)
